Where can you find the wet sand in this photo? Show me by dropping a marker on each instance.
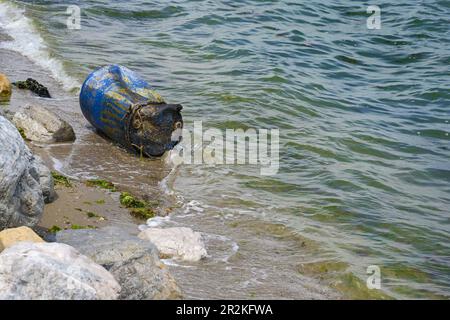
(80, 206)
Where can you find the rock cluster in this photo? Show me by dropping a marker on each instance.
(86, 264)
(42, 271)
(132, 261)
(104, 263)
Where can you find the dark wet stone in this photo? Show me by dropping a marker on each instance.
(34, 87)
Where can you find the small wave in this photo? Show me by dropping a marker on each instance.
(193, 205)
(169, 159)
(225, 246)
(157, 221)
(176, 263)
(28, 42)
(120, 13)
(58, 165)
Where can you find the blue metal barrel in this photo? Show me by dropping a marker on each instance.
(123, 106)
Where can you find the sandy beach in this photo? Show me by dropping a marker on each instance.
(79, 207)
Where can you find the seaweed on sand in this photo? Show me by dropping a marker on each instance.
(101, 184)
(138, 208)
(59, 179)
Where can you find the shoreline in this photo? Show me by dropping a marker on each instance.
(363, 151)
(81, 161)
(71, 208)
(72, 204)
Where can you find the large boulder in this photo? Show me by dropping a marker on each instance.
(133, 262)
(10, 237)
(181, 243)
(21, 175)
(52, 271)
(41, 125)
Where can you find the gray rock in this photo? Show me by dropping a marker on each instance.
(45, 175)
(42, 125)
(5, 37)
(8, 114)
(183, 243)
(52, 271)
(21, 197)
(45, 180)
(133, 262)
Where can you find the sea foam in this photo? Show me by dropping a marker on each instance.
(28, 42)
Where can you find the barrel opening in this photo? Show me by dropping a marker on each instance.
(152, 128)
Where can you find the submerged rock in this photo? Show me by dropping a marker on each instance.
(182, 243)
(5, 87)
(10, 237)
(34, 87)
(42, 125)
(133, 262)
(53, 271)
(21, 174)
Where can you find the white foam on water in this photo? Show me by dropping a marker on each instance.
(228, 245)
(175, 263)
(157, 221)
(28, 42)
(235, 247)
(57, 164)
(193, 205)
(142, 227)
(164, 184)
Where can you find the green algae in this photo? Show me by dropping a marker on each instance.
(78, 227)
(138, 208)
(322, 268)
(129, 201)
(103, 184)
(59, 179)
(418, 293)
(142, 213)
(233, 224)
(335, 274)
(400, 271)
(100, 201)
(22, 133)
(54, 229)
(354, 288)
(91, 214)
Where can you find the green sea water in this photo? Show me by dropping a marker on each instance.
(363, 116)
